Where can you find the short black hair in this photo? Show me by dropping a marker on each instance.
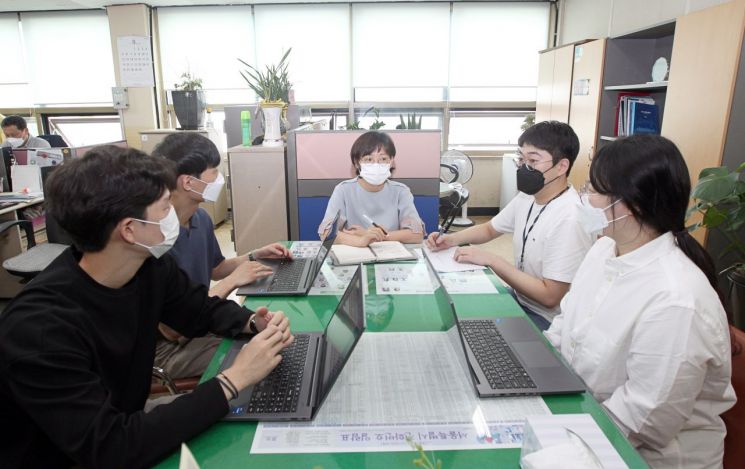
(191, 152)
(18, 121)
(557, 138)
(90, 195)
(368, 143)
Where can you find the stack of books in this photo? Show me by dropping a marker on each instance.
(636, 114)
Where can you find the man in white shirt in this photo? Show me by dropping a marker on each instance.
(548, 240)
(17, 134)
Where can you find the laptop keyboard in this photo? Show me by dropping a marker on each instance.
(279, 392)
(287, 275)
(496, 359)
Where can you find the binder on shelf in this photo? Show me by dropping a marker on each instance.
(632, 106)
(644, 118)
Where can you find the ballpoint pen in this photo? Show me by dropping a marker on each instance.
(370, 221)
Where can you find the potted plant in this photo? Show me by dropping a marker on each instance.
(272, 86)
(411, 122)
(189, 102)
(719, 196)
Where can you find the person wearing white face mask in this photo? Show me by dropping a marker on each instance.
(17, 135)
(77, 344)
(196, 250)
(374, 207)
(643, 322)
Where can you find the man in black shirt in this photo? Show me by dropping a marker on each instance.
(77, 345)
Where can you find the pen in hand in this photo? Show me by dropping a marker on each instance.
(369, 220)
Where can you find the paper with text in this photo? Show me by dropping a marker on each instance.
(396, 385)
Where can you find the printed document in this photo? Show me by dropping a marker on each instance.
(399, 385)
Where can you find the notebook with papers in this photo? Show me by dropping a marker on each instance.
(292, 277)
(507, 356)
(296, 389)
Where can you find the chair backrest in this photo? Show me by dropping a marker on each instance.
(55, 233)
(56, 141)
(734, 419)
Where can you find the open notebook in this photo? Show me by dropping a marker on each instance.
(382, 251)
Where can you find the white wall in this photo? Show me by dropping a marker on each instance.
(591, 19)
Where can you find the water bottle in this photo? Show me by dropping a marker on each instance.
(246, 127)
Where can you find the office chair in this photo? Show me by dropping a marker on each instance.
(36, 257)
(56, 141)
(734, 419)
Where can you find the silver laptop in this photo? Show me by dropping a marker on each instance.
(292, 277)
(296, 389)
(507, 356)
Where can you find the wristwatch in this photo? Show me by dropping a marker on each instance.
(251, 256)
(252, 324)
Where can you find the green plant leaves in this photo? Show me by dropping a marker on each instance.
(715, 184)
(720, 196)
(273, 84)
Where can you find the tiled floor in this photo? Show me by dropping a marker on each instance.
(501, 245)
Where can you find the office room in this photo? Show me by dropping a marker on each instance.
(367, 234)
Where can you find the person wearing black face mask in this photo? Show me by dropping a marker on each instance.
(548, 240)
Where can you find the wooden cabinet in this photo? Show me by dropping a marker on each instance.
(554, 84)
(587, 79)
(704, 70)
(259, 196)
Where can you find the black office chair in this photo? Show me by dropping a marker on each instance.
(56, 141)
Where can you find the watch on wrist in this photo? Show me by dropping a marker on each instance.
(252, 324)
(251, 256)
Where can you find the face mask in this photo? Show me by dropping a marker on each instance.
(375, 173)
(531, 181)
(593, 219)
(169, 226)
(212, 190)
(14, 142)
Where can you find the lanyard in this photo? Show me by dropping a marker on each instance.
(526, 234)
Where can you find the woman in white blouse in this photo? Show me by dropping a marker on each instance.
(643, 323)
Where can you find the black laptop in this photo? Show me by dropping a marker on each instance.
(296, 389)
(292, 276)
(507, 356)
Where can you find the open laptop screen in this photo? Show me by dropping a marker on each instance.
(328, 241)
(342, 333)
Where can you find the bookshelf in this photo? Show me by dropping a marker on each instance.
(628, 68)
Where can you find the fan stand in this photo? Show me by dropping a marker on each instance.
(463, 219)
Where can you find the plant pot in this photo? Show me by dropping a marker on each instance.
(272, 126)
(736, 296)
(189, 107)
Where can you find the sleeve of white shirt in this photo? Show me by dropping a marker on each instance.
(666, 368)
(504, 221)
(564, 249)
(553, 334)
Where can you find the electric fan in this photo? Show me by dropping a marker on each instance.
(456, 169)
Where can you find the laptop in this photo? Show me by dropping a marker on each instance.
(292, 277)
(296, 389)
(507, 356)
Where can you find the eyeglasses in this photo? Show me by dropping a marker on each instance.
(530, 165)
(377, 159)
